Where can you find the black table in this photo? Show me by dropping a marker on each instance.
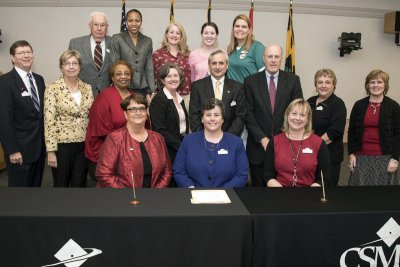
(164, 230)
(292, 228)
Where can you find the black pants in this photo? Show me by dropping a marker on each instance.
(257, 174)
(335, 174)
(27, 174)
(92, 169)
(71, 168)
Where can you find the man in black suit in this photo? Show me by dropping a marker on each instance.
(263, 121)
(230, 91)
(21, 118)
(96, 76)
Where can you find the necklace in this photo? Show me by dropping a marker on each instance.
(210, 147)
(374, 107)
(295, 159)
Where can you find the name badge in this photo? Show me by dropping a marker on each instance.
(25, 93)
(319, 108)
(222, 152)
(307, 150)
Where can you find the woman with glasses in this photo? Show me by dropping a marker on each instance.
(167, 110)
(133, 154)
(66, 106)
(106, 116)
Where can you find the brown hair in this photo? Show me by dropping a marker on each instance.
(211, 103)
(164, 71)
(377, 74)
(138, 98)
(111, 71)
(250, 38)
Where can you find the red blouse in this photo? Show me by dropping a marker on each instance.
(105, 116)
(370, 143)
(307, 161)
(121, 156)
(162, 56)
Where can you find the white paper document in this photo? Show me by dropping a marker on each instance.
(210, 197)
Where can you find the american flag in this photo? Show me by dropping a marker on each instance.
(123, 19)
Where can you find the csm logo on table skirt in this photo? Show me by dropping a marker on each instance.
(73, 255)
(372, 253)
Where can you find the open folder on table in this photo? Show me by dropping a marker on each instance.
(210, 197)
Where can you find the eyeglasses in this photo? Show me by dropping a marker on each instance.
(99, 25)
(73, 64)
(120, 74)
(24, 53)
(135, 109)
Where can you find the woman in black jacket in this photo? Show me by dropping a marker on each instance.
(374, 135)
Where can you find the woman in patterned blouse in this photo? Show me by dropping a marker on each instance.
(175, 50)
(66, 107)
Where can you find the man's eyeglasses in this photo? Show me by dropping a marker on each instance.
(24, 53)
(136, 109)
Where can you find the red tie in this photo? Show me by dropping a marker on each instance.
(272, 92)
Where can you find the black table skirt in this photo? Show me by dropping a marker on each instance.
(164, 230)
(292, 227)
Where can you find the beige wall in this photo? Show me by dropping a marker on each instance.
(49, 30)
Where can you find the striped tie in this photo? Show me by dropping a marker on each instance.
(272, 92)
(98, 56)
(34, 95)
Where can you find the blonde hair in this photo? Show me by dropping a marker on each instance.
(249, 40)
(69, 53)
(303, 106)
(328, 73)
(182, 45)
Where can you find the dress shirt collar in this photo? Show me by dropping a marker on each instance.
(214, 82)
(169, 96)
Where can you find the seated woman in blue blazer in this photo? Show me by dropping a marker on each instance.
(211, 158)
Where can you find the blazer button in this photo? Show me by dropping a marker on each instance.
(137, 61)
(210, 161)
(137, 71)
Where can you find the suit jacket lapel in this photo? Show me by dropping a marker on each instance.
(88, 51)
(107, 56)
(21, 88)
(209, 89)
(128, 40)
(263, 88)
(280, 90)
(227, 93)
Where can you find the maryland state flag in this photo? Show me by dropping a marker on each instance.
(251, 14)
(209, 11)
(123, 19)
(290, 63)
(171, 12)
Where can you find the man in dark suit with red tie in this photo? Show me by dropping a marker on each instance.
(218, 86)
(21, 118)
(268, 93)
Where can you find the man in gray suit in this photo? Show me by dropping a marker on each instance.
(92, 72)
(231, 93)
(268, 93)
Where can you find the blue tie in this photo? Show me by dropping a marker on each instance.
(34, 95)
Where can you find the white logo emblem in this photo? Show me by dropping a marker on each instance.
(388, 233)
(72, 255)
